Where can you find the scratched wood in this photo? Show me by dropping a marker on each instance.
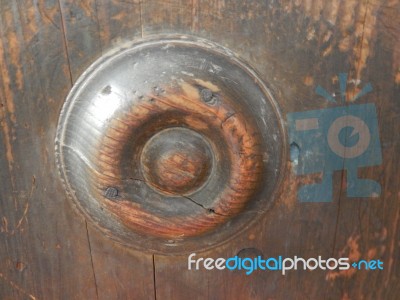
(296, 46)
(48, 251)
(42, 242)
(92, 28)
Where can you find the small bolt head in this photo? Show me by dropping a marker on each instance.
(206, 95)
(111, 193)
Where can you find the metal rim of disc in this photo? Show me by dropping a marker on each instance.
(122, 78)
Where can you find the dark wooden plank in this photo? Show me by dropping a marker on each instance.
(119, 22)
(269, 40)
(173, 16)
(48, 251)
(82, 36)
(296, 46)
(44, 252)
(369, 228)
(120, 273)
(92, 28)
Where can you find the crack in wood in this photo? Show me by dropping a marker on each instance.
(358, 66)
(65, 43)
(141, 17)
(98, 26)
(91, 259)
(208, 209)
(154, 277)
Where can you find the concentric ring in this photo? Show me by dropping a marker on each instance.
(187, 137)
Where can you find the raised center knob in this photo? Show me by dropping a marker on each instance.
(176, 161)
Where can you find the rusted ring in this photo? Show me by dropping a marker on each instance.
(186, 137)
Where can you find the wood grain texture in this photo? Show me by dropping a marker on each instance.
(41, 241)
(91, 28)
(185, 108)
(295, 46)
(47, 251)
(113, 154)
(45, 248)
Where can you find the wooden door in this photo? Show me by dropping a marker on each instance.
(48, 250)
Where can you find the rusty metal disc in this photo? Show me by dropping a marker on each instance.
(170, 145)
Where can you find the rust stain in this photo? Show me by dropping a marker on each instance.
(352, 249)
(15, 52)
(288, 196)
(356, 22)
(397, 77)
(332, 11)
(306, 6)
(7, 142)
(6, 136)
(358, 30)
(197, 123)
(308, 80)
(372, 253)
(246, 162)
(366, 32)
(316, 9)
(31, 27)
(19, 81)
(86, 7)
(8, 95)
(251, 236)
(49, 14)
(7, 108)
(390, 33)
(20, 266)
(346, 21)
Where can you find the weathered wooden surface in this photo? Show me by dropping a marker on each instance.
(48, 251)
(183, 156)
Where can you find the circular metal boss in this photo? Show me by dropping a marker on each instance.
(170, 145)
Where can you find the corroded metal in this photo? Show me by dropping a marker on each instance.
(185, 138)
